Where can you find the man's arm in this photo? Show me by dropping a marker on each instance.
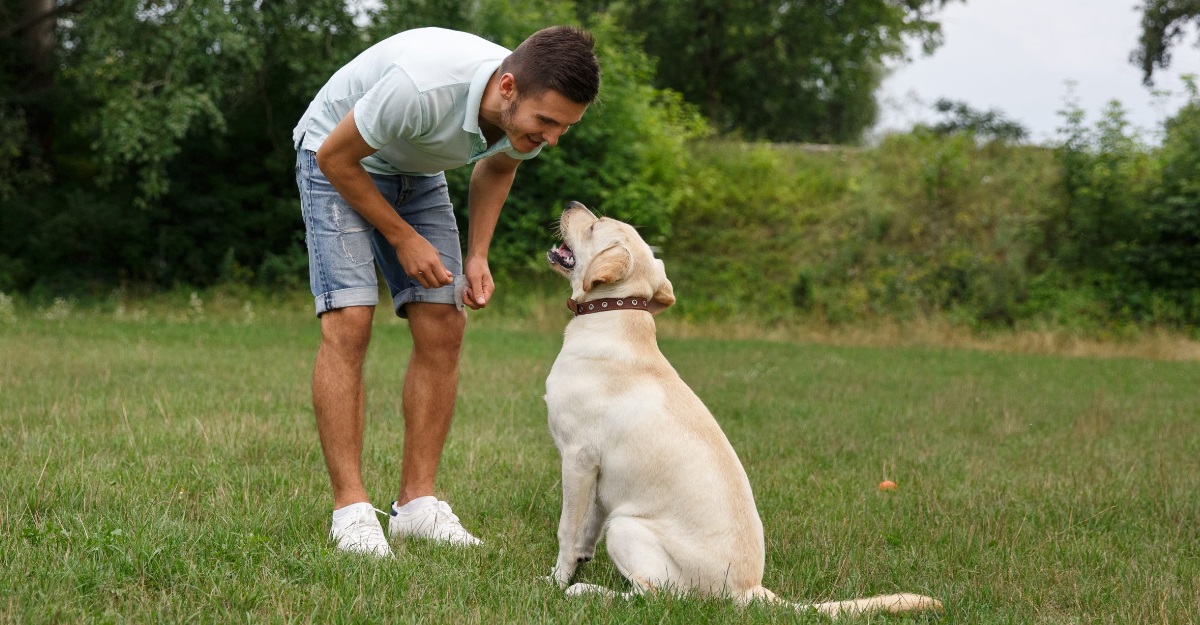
(490, 182)
(338, 159)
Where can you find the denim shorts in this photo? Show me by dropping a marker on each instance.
(344, 249)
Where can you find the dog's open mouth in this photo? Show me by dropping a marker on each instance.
(562, 257)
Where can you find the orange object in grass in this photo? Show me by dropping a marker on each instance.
(887, 485)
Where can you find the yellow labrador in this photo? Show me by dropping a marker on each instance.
(643, 460)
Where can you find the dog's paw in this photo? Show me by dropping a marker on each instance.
(558, 577)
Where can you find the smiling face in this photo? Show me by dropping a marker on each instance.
(531, 120)
(604, 257)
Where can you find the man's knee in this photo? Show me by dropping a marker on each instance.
(437, 328)
(347, 331)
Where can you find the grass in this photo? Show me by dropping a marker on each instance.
(165, 467)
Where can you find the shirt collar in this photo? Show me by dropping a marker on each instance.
(475, 95)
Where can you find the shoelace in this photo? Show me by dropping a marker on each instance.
(361, 532)
(444, 512)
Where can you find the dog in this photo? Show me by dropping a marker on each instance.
(643, 460)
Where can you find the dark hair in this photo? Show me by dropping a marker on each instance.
(559, 58)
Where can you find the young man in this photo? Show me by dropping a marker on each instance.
(371, 149)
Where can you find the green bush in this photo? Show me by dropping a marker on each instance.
(1131, 229)
(920, 225)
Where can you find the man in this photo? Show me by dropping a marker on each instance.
(371, 149)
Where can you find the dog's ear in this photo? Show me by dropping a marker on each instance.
(664, 295)
(609, 266)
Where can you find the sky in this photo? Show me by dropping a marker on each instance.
(1016, 56)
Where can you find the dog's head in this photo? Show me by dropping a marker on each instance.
(604, 257)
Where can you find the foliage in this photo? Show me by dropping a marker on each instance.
(779, 70)
(1106, 172)
(990, 125)
(1171, 256)
(920, 226)
(175, 166)
(155, 150)
(1100, 234)
(172, 145)
(1132, 228)
(1164, 23)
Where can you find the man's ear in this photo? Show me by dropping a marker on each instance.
(507, 85)
(609, 266)
(664, 295)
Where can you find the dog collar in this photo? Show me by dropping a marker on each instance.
(607, 304)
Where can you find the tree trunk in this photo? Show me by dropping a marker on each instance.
(39, 37)
(38, 41)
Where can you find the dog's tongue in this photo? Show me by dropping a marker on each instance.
(565, 252)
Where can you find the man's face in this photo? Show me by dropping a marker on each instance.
(531, 121)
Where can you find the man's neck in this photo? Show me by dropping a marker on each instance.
(489, 111)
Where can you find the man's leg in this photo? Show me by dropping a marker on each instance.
(338, 398)
(430, 390)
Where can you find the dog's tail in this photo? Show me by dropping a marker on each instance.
(892, 604)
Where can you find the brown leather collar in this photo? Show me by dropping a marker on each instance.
(608, 304)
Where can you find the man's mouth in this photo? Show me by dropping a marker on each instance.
(562, 256)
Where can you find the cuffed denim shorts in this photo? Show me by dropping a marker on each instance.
(344, 248)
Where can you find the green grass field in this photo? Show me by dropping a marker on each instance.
(168, 470)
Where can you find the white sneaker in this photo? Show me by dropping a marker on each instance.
(432, 519)
(361, 533)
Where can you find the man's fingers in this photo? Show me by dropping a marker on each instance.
(469, 300)
(483, 294)
(434, 278)
(478, 292)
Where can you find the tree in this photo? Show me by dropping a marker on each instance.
(171, 129)
(27, 88)
(1163, 25)
(780, 69)
(990, 125)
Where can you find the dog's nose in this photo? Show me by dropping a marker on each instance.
(573, 204)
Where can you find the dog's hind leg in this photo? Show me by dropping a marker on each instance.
(640, 556)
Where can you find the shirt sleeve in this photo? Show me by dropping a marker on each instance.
(390, 110)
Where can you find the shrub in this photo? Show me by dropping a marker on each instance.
(1131, 231)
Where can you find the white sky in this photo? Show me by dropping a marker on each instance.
(1017, 56)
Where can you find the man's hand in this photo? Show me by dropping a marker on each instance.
(421, 261)
(479, 283)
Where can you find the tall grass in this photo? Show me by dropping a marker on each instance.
(166, 468)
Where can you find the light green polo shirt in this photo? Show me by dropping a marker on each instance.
(416, 99)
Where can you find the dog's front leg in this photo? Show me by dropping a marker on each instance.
(579, 526)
